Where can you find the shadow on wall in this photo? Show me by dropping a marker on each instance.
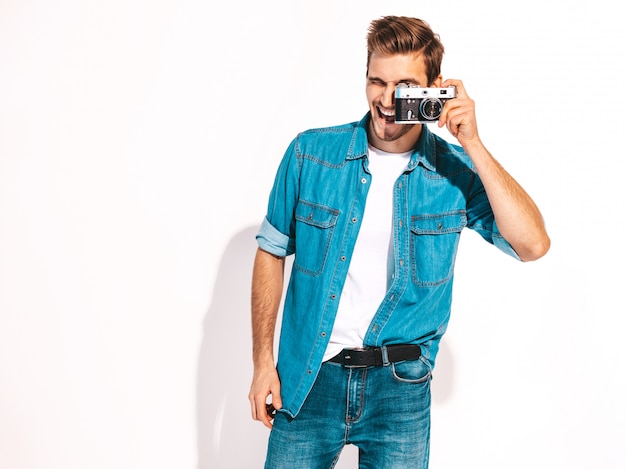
(227, 435)
(228, 438)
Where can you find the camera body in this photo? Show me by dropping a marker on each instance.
(417, 105)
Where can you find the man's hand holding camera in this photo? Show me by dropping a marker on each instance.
(446, 103)
(459, 116)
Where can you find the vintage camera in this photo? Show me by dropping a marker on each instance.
(417, 105)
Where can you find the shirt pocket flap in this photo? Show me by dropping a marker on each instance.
(450, 222)
(316, 215)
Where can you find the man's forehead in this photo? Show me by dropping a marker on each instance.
(397, 67)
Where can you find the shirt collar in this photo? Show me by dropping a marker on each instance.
(358, 145)
(424, 150)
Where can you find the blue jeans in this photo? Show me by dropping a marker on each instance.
(384, 411)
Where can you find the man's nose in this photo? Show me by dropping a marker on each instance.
(389, 96)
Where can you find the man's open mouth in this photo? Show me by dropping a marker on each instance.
(388, 116)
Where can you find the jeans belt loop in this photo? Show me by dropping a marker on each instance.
(385, 355)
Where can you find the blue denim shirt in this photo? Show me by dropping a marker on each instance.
(315, 210)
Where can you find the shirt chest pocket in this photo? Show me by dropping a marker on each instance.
(315, 225)
(434, 242)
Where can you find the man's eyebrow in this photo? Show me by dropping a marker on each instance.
(402, 80)
(409, 80)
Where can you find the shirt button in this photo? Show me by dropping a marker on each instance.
(354, 220)
(343, 258)
(323, 334)
(400, 223)
(364, 180)
(401, 262)
(333, 296)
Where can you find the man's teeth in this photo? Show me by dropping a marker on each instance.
(387, 113)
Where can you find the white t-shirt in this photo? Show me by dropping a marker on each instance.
(371, 266)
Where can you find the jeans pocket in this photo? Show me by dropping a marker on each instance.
(411, 371)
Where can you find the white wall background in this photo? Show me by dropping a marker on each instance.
(138, 143)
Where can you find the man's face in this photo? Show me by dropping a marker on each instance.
(384, 74)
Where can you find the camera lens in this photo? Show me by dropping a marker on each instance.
(431, 108)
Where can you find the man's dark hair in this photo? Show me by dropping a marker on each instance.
(392, 35)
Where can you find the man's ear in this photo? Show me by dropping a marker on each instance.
(437, 82)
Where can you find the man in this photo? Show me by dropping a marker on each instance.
(373, 212)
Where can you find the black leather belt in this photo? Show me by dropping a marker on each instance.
(373, 356)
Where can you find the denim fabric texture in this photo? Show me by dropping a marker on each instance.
(314, 212)
(390, 433)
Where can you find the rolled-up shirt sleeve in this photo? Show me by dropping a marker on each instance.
(273, 241)
(277, 232)
(482, 220)
(501, 243)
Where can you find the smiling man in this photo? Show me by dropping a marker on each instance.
(372, 212)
